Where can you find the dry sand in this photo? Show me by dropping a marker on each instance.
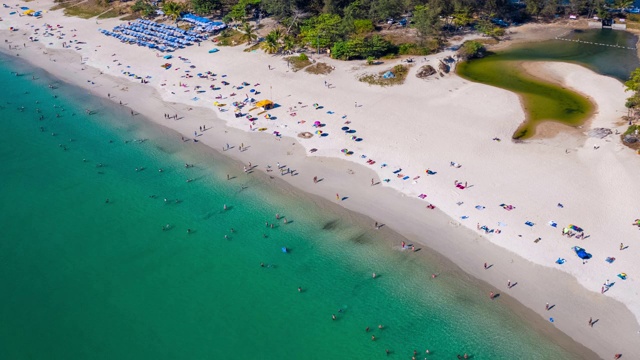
(423, 124)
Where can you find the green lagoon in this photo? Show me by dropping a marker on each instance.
(544, 101)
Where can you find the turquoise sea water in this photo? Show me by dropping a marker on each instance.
(84, 279)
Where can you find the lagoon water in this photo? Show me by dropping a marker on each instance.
(84, 279)
(545, 101)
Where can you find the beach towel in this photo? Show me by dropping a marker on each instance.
(529, 223)
(560, 261)
(480, 207)
(622, 276)
(405, 178)
(553, 223)
(422, 196)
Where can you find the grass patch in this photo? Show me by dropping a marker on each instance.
(488, 41)
(130, 17)
(112, 13)
(83, 9)
(230, 37)
(400, 72)
(255, 46)
(319, 69)
(298, 62)
(633, 21)
(630, 131)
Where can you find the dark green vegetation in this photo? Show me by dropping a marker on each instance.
(544, 101)
(471, 49)
(361, 29)
(631, 137)
(399, 72)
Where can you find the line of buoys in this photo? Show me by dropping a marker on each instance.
(594, 43)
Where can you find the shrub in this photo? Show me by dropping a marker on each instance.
(363, 26)
(303, 57)
(361, 48)
(471, 49)
(413, 49)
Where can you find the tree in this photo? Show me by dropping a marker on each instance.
(471, 49)
(543, 7)
(172, 9)
(248, 33)
(356, 10)
(237, 13)
(361, 48)
(384, 9)
(322, 31)
(622, 4)
(270, 44)
(535, 7)
(143, 7)
(633, 84)
(462, 17)
(280, 9)
(362, 26)
(288, 43)
(205, 7)
(427, 22)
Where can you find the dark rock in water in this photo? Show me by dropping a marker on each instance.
(600, 133)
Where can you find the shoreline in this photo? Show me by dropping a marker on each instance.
(408, 223)
(359, 218)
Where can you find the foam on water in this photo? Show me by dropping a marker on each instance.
(84, 279)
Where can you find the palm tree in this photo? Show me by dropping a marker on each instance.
(277, 33)
(622, 4)
(172, 9)
(249, 33)
(288, 43)
(270, 44)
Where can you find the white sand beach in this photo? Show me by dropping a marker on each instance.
(445, 125)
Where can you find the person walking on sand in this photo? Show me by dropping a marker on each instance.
(315, 179)
(546, 307)
(621, 246)
(591, 322)
(509, 284)
(485, 266)
(337, 196)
